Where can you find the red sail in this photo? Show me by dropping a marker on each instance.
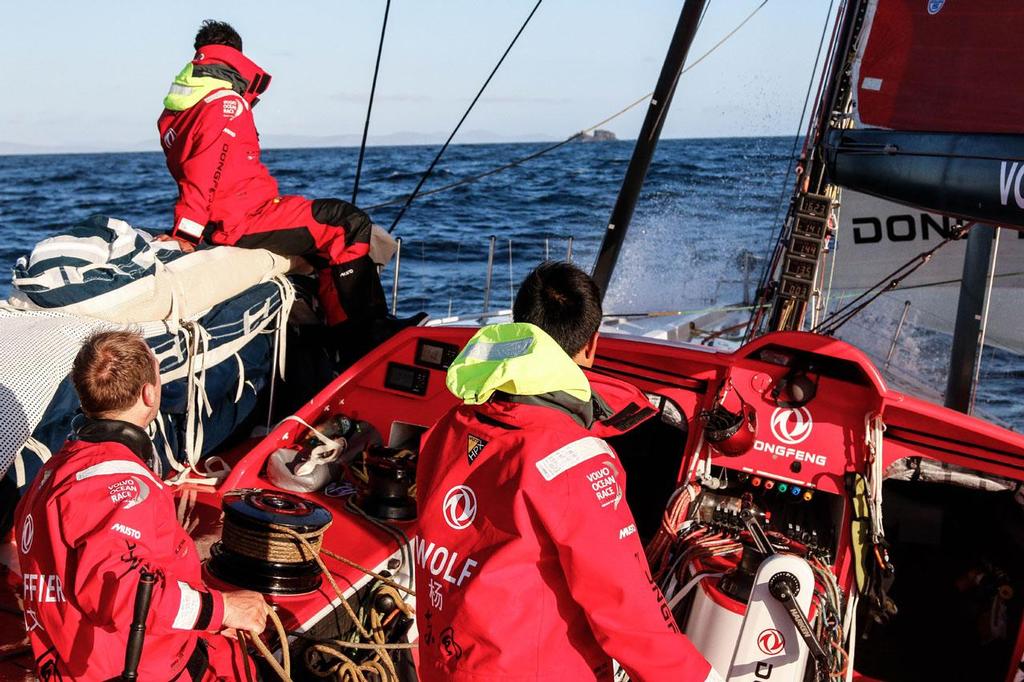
(942, 66)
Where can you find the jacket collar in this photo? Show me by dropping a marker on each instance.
(216, 67)
(249, 79)
(117, 431)
(583, 412)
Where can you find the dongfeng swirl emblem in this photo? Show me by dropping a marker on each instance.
(459, 507)
(791, 425)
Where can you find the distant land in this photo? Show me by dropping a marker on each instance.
(598, 135)
(273, 141)
(285, 141)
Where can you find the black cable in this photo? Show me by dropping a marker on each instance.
(803, 114)
(707, 6)
(479, 176)
(852, 308)
(430, 169)
(954, 281)
(369, 106)
(546, 150)
(777, 235)
(399, 535)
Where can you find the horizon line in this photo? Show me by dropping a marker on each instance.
(57, 152)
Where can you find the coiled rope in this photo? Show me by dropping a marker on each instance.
(283, 544)
(271, 546)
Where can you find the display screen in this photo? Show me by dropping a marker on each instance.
(401, 377)
(406, 378)
(435, 354)
(432, 354)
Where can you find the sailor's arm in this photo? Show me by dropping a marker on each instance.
(112, 543)
(585, 513)
(221, 122)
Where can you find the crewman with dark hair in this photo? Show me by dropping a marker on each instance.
(528, 561)
(227, 196)
(95, 518)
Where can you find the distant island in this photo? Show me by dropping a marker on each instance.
(597, 136)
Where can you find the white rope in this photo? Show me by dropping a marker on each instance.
(198, 403)
(874, 428)
(241, 378)
(328, 450)
(168, 453)
(836, 216)
(850, 629)
(690, 584)
(284, 312)
(40, 451)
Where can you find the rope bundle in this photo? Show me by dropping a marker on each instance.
(272, 545)
(328, 658)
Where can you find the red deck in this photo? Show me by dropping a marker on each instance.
(689, 376)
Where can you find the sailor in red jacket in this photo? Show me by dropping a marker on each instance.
(97, 516)
(528, 561)
(227, 196)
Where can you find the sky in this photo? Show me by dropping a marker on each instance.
(91, 75)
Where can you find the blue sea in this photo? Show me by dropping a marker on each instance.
(706, 204)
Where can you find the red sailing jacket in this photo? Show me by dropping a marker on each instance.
(94, 518)
(209, 137)
(527, 561)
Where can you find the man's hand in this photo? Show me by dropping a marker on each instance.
(186, 246)
(245, 610)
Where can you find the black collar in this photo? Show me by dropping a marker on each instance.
(582, 412)
(224, 73)
(117, 431)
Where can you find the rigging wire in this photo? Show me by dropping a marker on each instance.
(430, 169)
(800, 126)
(958, 280)
(369, 106)
(848, 311)
(552, 147)
(777, 234)
(515, 162)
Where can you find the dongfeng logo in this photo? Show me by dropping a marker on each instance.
(28, 531)
(935, 6)
(771, 642)
(791, 425)
(459, 507)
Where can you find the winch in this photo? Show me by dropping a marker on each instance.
(258, 549)
(389, 476)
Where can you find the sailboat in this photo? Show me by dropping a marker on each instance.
(804, 519)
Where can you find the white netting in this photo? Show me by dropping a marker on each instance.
(36, 351)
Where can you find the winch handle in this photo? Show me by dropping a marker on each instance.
(784, 586)
(137, 633)
(749, 518)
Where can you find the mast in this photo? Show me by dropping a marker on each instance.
(971, 315)
(647, 141)
(796, 262)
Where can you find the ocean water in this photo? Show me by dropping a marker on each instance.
(708, 207)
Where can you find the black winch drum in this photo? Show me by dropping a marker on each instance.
(248, 517)
(390, 478)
